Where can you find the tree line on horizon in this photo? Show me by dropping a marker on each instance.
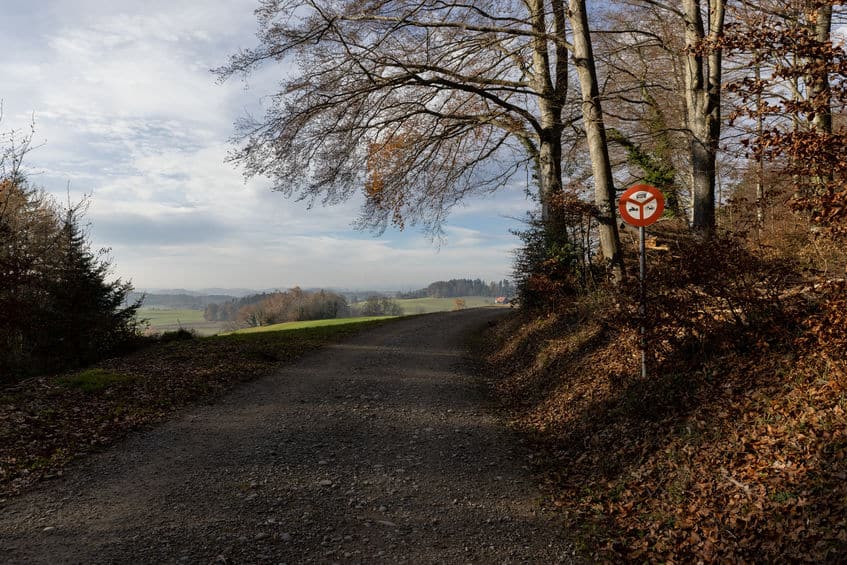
(177, 301)
(296, 305)
(455, 288)
(265, 309)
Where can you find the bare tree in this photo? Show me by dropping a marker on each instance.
(690, 33)
(703, 102)
(818, 16)
(419, 103)
(595, 130)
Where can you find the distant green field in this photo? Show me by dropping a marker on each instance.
(165, 319)
(426, 305)
(311, 324)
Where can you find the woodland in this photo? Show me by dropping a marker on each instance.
(733, 448)
(276, 307)
(461, 287)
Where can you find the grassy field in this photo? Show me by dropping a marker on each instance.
(427, 305)
(287, 326)
(166, 319)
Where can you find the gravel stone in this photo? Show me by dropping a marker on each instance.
(422, 471)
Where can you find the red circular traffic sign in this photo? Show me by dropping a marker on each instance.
(641, 205)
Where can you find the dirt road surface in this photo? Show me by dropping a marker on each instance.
(377, 450)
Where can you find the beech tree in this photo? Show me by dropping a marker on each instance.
(595, 130)
(796, 100)
(420, 103)
(703, 69)
(699, 27)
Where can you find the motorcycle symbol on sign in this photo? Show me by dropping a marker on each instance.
(641, 205)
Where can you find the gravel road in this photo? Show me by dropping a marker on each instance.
(379, 449)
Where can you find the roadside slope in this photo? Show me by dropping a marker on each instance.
(375, 449)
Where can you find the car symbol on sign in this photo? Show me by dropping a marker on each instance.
(641, 205)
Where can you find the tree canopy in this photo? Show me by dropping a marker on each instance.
(416, 103)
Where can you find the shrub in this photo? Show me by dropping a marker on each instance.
(708, 295)
(554, 264)
(181, 334)
(376, 306)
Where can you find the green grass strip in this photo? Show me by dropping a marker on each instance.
(287, 326)
(93, 380)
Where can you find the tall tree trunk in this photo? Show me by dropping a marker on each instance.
(702, 100)
(551, 100)
(820, 19)
(604, 188)
(549, 168)
(760, 157)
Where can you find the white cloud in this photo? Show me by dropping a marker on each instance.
(313, 261)
(127, 110)
(464, 237)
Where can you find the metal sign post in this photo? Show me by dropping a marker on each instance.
(640, 206)
(642, 298)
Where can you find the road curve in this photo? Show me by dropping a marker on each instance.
(375, 450)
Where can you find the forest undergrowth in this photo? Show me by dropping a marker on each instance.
(733, 449)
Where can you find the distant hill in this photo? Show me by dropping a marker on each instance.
(237, 292)
(182, 301)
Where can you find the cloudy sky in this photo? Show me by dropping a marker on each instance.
(126, 111)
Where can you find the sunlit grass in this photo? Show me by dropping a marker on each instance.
(428, 305)
(172, 319)
(311, 324)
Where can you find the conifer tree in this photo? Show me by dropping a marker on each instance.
(89, 318)
(58, 308)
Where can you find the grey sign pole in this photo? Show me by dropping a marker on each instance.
(640, 206)
(642, 308)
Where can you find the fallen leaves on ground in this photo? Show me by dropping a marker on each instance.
(739, 457)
